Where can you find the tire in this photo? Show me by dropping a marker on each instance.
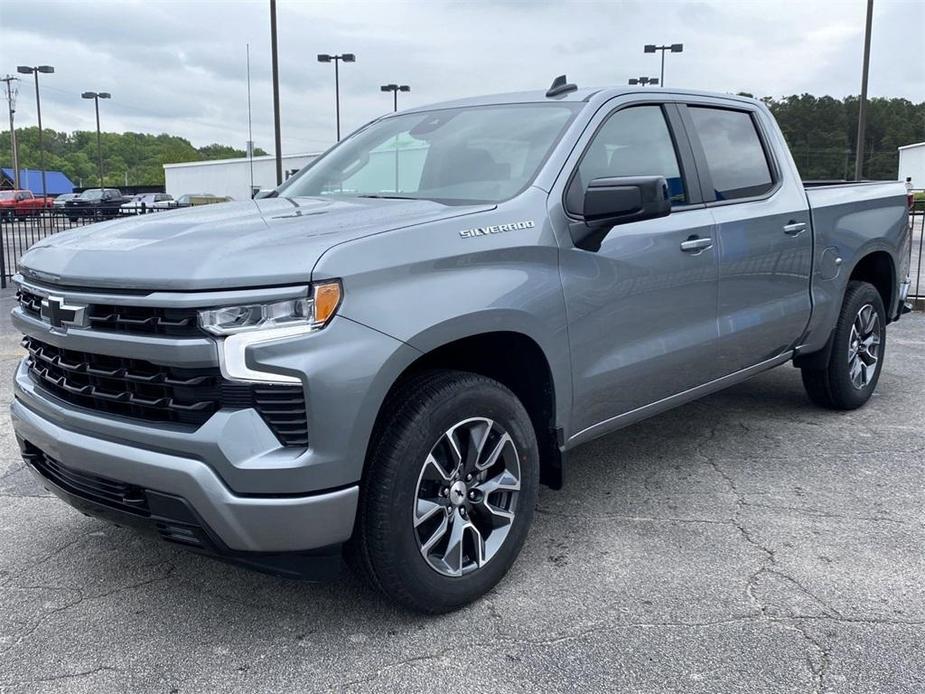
(856, 358)
(411, 491)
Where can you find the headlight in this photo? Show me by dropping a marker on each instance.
(314, 312)
(251, 324)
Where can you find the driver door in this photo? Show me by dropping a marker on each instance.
(641, 309)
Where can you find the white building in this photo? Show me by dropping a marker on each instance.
(912, 163)
(230, 176)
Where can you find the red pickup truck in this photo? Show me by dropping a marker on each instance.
(19, 203)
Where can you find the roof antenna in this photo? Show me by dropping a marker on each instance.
(560, 86)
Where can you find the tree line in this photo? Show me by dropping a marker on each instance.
(821, 132)
(138, 158)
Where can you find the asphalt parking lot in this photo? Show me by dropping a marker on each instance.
(744, 543)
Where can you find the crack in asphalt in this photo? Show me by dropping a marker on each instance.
(81, 598)
(66, 676)
(769, 566)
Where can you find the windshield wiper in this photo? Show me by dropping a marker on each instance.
(390, 197)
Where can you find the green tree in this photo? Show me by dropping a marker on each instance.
(138, 156)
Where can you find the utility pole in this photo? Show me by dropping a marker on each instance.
(273, 49)
(862, 102)
(11, 102)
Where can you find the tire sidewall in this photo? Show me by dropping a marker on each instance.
(407, 452)
(857, 297)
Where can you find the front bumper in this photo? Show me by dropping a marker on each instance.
(239, 523)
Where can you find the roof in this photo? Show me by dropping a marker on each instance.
(913, 146)
(239, 160)
(587, 94)
(31, 179)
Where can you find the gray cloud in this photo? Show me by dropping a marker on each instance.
(179, 67)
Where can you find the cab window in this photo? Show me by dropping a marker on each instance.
(634, 141)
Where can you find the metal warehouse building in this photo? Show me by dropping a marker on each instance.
(229, 176)
(912, 163)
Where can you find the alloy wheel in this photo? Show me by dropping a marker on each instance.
(466, 496)
(864, 347)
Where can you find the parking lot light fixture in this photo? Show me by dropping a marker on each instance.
(336, 59)
(670, 48)
(96, 96)
(35, 70)
(643, 81)
(395, 88)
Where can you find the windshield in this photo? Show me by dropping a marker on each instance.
(7, 195)
(454, 156)
(92, 194)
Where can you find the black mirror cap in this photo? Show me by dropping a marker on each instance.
(612, 201)
(609, 202)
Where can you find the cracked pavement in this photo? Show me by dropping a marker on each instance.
(748, 542)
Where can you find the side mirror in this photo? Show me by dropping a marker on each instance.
(612, 201)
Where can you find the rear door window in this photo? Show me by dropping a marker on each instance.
(735, 156)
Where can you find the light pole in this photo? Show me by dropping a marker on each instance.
(644, 81)
(673, 48)
(35, 70)
(862, 101)
(96, 96)
(275, 58)
(347, 58)
(394, 88)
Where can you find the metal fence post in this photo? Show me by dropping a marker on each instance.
(2, 257)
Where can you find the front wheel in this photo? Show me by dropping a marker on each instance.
(859, 342)
(449, 491)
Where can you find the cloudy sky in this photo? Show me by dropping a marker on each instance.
(179, 67)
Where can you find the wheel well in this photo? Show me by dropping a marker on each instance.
(514, 360)
(877, 269)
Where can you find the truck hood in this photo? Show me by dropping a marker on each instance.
(227, 245)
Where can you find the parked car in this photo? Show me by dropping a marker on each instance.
(147, 200)
(393, 371)
(62, 199)
(21, 203)
(193, 200)
(95, 202)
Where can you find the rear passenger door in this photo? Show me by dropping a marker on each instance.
(763, 236)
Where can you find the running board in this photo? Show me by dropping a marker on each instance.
(622, 420)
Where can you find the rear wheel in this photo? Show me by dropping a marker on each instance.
(859, 341)
(448, 495)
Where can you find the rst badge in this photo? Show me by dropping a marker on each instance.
(496, 229)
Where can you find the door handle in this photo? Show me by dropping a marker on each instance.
(695, 245)
(794, 228)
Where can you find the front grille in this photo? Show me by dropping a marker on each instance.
(108, 492)
(140, 320)
(29, 302)
(150, 392)
(127, 387)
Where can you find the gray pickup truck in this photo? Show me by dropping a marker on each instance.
(384, 360)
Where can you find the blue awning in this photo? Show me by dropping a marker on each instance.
(31, 179)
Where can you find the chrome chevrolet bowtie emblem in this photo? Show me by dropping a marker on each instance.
(62, 315)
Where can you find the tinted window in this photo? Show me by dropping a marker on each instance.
(737, 162)
(632, 142)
